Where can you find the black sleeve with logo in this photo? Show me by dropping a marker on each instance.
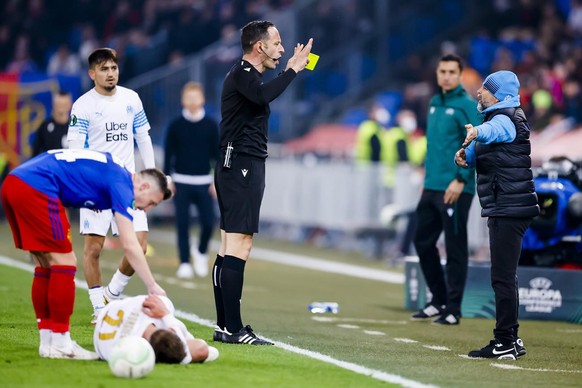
(245, 108)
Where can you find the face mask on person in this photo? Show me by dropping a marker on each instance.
(408, 123)
(382, 116)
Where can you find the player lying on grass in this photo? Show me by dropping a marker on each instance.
(34, 197)
(151, 317)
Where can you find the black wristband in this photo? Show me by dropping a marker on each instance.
(460, 179)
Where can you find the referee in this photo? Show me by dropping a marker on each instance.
(240, 170)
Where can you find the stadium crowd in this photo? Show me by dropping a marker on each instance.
(57, 35)
(541, 41)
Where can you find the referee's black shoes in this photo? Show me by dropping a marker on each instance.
(243, 336)
(218, 332)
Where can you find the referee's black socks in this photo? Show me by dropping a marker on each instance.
(216, 272)
(231, 284)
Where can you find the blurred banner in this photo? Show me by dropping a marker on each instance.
(25, 102)
(544, 293)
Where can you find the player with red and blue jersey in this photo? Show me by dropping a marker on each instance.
(34, 196)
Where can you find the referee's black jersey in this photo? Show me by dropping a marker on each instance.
(245, 108)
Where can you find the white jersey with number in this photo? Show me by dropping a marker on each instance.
(124, 317)
(109, 123)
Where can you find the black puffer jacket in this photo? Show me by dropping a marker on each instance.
(504, 177)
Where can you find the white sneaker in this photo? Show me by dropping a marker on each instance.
(108, 296)
(72, 352)
(212, 354)
(200, 262)
(185, 271)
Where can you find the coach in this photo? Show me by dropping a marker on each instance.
(500, 149)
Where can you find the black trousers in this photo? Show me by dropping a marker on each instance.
(505, 237)
(201, 198)
(434, 217)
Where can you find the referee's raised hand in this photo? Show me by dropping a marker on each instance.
(299, 59)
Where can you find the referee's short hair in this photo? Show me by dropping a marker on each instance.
(253, 32)
(101, 55)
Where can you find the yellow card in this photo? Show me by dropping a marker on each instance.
(313, 58)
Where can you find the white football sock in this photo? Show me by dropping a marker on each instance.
(118, 283)
(45, 337)
(96, 297)
(61, 340)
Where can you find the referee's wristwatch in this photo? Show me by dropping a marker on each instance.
(459, 178)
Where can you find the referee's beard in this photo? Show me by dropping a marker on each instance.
(110, 88)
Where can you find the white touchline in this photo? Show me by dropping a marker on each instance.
(508, 366)
(436, 347)
(362, 320)
(374, 332)
(295, 260)
(375, 374)
(406, 340)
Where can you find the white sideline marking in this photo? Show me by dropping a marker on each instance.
(569, 331)
(515, 367)
(374, 332)
(327, 266)
(362, 320)
(346, 326)
(406, 340)
(375, 374)
(435, 347)
(303, 261)
(466, 357)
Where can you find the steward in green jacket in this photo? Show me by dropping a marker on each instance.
(445, 131)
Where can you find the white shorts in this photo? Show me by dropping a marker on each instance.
(98, 223)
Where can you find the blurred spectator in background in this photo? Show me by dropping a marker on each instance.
(471, 80)
(542, 109)
(21, 61)
(64, 62)
(191, 149)
(575, 18)
(6, 45)
(395, 145)
(573, 98)
(52, 133)
(447, 196)
(410, 161)
(370, 135)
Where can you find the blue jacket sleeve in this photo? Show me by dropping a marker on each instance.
(500, 129)
(470, 155)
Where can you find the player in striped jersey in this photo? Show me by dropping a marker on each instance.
(109, 118)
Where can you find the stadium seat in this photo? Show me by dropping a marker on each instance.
(354, 116)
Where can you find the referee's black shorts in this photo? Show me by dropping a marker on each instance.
(239, 190)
